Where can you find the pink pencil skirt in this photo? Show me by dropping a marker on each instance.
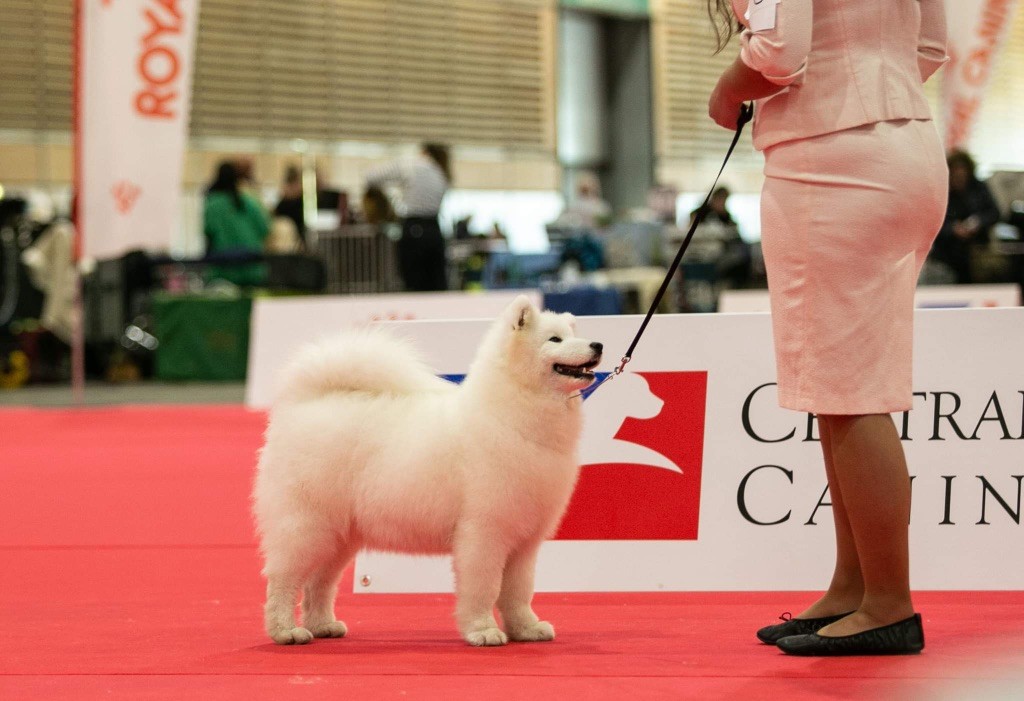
(847, 220)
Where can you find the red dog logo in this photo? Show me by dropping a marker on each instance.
(642, 452)
(125, 194)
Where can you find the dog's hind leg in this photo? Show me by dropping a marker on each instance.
(320, 592)
(520, 622)
(478, 563)
(292, 555)
(279, 612)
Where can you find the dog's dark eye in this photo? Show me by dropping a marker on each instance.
(555, 339)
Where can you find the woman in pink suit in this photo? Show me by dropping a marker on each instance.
(855, 192)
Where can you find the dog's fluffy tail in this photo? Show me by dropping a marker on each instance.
(369, 360)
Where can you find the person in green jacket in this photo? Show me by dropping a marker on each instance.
(234, 222)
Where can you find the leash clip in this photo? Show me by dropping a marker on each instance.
(622, 365)
(610, 376)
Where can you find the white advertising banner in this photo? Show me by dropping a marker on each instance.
(133, 92)
(926, 297)
(280, 326)
(694, 479)
(976, 31)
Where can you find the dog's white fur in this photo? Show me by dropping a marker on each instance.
(367, 448)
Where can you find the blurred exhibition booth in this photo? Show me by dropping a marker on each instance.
(579, 144)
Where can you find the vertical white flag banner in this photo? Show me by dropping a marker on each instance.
(976, 29)
(133, 92)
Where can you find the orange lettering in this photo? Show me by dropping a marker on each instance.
(151, 74)
(156, 28)
(151, 103)
(172, 7)
(976, 68)
(993, 19)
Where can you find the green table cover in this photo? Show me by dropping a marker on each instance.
(202, 337)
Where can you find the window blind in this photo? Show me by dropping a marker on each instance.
(464, 71)
(35, 65)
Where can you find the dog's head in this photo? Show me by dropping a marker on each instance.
(546, 350)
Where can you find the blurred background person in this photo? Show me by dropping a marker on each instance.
(290, 203)
(970, 216)
(587, 209)
(49, 262)
(423, 182)
(719, 233)
(233, 223)
(716, 211)
(377, 208)
(245, 166)
(661, 203)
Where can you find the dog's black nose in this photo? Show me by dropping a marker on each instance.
(598, 347)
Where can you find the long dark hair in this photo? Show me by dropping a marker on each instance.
(724, 22)
(959, 157)
(226, 181)
(438, 153)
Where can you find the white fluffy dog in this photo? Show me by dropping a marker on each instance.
(367, 448)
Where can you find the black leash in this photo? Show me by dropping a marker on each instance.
(746, 114)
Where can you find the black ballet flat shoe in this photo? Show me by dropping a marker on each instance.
(905, 637)
(795, 626)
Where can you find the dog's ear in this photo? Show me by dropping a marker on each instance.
(521, 312)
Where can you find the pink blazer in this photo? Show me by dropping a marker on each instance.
(844, 63)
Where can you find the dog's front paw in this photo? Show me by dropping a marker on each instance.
(488, 637)
(291, 636)
(538, 632)
(334, 629)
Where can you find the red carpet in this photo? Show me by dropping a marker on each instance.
(129, 572)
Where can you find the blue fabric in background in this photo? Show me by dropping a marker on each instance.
(585, 301)
(507, 270)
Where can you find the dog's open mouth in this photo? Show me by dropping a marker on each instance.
(584, 371)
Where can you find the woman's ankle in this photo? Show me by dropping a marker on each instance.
(887, 607)
(833, 603)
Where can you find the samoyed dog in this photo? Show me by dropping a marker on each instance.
(367, 448)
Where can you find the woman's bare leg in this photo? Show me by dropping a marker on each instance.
(847, 587)
(871, 474)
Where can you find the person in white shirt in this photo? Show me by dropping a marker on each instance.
(423, 182)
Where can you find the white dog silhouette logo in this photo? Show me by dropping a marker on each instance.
(626, 396)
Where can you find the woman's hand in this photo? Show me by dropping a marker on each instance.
(723, 106)
(738, 84)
